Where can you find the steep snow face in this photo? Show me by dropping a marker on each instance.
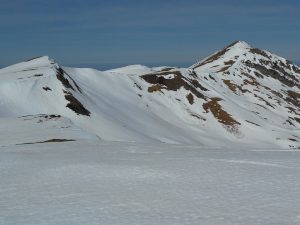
(240, 96)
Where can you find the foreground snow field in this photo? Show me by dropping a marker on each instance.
(96, 182)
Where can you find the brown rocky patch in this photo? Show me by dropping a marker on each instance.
(159, 82)
(297, 119)
(234, 87)
(190, 98)
(293, 98)
(229, 62)
(221, 115)
(155, 88)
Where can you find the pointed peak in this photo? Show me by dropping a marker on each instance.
(41, 59)
(239, 44)
(237, 48)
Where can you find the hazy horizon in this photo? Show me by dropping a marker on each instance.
(107, 66)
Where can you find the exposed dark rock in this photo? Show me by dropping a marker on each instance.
(259, 52)
(172, 84)
(47, 141)
(270, 73)
(60, 74)
(76, 106)
(47, 89)
(253, 123)
(190, 98)
(221, 115)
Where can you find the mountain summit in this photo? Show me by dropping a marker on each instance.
(239, 96)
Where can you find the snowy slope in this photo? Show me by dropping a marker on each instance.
(232, 98)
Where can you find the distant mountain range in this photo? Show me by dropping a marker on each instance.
(239, 96)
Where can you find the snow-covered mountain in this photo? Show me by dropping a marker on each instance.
(239, 96)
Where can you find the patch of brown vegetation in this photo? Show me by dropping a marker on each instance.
(155, 88)
(293, 98)
(231, 86)
(221, 115)
(159, 82)
(190, 98)
(252, 81)
(234, 87)
(294, 95)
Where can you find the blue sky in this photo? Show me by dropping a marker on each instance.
(90, 32)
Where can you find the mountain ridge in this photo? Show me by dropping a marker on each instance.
(237, 96)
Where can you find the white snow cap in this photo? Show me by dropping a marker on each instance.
(240, 45)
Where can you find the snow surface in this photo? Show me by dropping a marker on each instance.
(89, 182)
